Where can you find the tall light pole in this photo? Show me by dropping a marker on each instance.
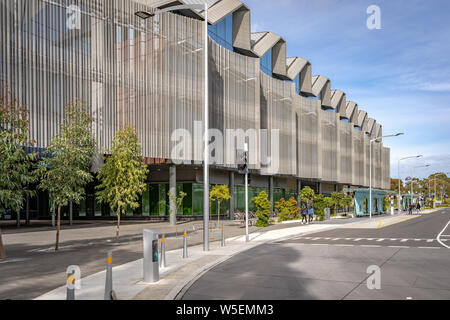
(434, 202)
(399, 180)
(412, 181)
(146, 15)
(370, 166)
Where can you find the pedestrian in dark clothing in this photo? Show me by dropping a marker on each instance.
(304, 215)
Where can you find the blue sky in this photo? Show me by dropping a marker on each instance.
(400, 74)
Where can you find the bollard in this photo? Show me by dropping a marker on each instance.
(108, 284)
(185, 252)
(163, 252)
(70, 285)
(223, 236)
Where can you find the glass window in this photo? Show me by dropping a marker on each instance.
(197, 202)
(187, 201)
(153, 194)
(266, 63)
(222, 32)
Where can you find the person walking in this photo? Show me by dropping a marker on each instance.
(418, 206)
(310, 214)
(304, 213)
(410, 208)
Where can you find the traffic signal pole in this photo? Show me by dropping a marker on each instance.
(246, 195)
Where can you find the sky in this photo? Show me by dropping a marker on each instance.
(399, 74)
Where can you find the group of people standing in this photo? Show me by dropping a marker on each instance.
(307, 213)
(412, 207)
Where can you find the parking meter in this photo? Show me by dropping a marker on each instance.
(151, 257)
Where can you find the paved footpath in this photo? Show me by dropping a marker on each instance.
(183, 272)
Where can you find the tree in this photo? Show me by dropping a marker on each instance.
(122, 178)
(346, 202)
(262, 205)
(337, 198)
(178, 200)
(16, 164)
(306, 195)
(319, 206)
(65, 169)
(219, 193)
(328, 202)
(287, 210)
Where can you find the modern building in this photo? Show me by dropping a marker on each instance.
(150, 74)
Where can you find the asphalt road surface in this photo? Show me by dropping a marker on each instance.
(334, 265)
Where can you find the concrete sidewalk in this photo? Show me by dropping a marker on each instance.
(127, 278)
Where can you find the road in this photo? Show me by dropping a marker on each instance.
(33, 268)
(333, 265)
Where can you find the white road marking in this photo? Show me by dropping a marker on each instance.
(370, 246)
(404, 240)
(440, 234)
(429, 247)
(335, 239)
(393, 239)
(401, 247)
(344, 245)
(430, 240)
(359, 239)
(379, 240)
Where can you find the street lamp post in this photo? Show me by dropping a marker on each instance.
(146, 15)
(434, 202)
(399, 180)
(412, 181)
(370, 166)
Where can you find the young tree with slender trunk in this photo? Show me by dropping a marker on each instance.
(16, 165)
(219, 193)
(65, 170)
(122, 178)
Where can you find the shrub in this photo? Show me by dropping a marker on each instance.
(262, 205)
(287, 210)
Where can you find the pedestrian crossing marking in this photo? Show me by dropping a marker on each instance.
(367, 239)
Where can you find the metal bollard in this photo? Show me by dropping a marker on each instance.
(223, 236)
(185, 252)
(108, 284)
(163, 263)
(70, 286)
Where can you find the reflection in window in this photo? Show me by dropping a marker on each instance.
(266, 63)
(222, 32)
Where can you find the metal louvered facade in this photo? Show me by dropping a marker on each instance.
(151, 75)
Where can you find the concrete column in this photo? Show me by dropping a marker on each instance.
(319, 187)
(173, 191)
(231, 201)
(271, 194)
(299, 186)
